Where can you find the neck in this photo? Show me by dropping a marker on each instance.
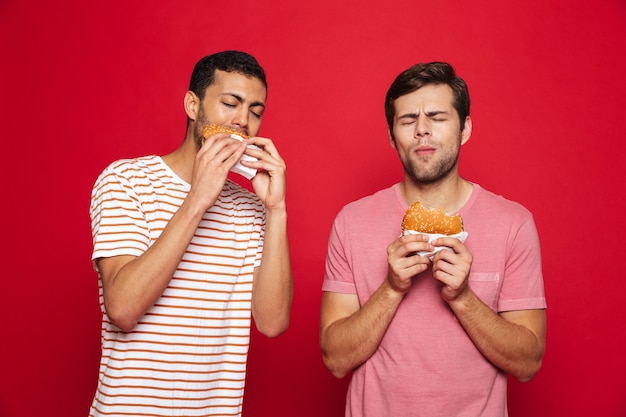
(182, 159)
(449, 194)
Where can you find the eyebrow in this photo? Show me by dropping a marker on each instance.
(436, 112)
(430, 113)
(241, 100)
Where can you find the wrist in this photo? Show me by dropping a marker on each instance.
(394, 292)
(278, 211)
(462, 301)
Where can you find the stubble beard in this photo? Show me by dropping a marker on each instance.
(418, 170)
(201, 122)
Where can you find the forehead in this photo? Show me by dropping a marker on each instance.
(233, 83)
(429, 97)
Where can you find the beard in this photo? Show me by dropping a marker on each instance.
(426, 170)
(201, 122)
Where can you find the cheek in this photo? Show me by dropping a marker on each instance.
(392, 142)
(217, 115)
(253, 127)
(402, 137)
(404, 153)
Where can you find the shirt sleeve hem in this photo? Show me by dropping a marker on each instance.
(525, 304)
(338, 286)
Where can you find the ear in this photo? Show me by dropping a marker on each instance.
(392, 141)
(192, 105)
(467, 130)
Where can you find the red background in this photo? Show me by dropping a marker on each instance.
(85, 83)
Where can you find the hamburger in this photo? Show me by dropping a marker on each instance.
(212, 129)
(435, 223)
(421, 219)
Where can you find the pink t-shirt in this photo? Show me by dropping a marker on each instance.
(426, 365)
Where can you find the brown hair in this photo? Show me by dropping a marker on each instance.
(420, 75)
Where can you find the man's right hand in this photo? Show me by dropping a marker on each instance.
(214, 160)
(404, 262)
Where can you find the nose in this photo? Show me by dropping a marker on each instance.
(240, 119)
(422, 127)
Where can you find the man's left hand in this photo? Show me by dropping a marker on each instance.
(269, 182)
(452, 267)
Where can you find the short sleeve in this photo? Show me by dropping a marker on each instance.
(339, 276)
(523, 288)
(118, 225)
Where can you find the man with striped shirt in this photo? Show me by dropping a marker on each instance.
(186, 257)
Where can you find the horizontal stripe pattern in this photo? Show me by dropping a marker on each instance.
(187, 355)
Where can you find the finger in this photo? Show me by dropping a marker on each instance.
(266, 145)
(451, 268)
(401, 274)
(407, 238)
(411, 248)
(406, 262)
(217, 140)
(261, 159)
(213, 139)
(261, 142)
(264, 155)
(221, 153)
(275, 169)
(441, 266)
(451, 242)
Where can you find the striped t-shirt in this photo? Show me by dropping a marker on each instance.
(187, 355)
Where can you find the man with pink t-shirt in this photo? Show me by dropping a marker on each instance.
(432, 336)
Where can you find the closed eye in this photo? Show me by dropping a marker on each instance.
(257, 111)
(407, 119)
(438, 116)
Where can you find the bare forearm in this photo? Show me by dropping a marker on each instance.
(350, 341)
(133, 288)
(273, 286)
(515, 347)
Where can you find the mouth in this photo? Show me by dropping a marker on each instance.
(242, 132)
(424, 150)
(238, 131)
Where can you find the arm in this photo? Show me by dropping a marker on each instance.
(349, 333)
(272, 293)
(131, 284)
(514, 341)
(273, 283)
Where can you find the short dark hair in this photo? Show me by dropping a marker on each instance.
(203, 74)
(420, 75)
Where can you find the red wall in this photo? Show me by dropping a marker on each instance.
(82, 84)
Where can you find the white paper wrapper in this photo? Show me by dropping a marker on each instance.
(432, 236)
(247, 172)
